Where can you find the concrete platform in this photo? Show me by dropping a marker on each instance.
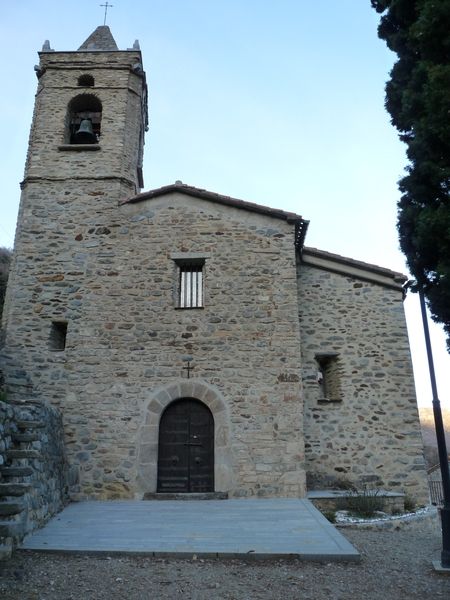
(261, 528)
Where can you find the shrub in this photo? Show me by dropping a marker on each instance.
(330, 515)
(365, 503)
(410, 503)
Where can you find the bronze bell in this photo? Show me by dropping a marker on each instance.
(85, 134)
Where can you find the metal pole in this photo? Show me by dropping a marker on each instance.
(440, 436)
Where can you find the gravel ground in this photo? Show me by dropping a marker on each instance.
(395, 564)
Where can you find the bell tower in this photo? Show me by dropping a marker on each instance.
(90, 116)
(84, 156)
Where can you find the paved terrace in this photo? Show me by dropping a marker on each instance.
(261, 528)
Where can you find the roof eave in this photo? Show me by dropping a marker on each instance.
(353, 268)
(214, 197)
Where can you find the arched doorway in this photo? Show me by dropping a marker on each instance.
(186, 448)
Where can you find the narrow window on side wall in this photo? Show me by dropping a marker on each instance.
(328, 377)
(58, 334)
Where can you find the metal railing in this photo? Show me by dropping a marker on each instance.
(436, 493)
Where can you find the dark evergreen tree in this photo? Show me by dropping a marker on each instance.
(418, 100)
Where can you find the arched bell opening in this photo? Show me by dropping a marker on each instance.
(86, 80)
(186, 448)
(84, 119)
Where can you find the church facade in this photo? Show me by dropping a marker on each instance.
(189, 340)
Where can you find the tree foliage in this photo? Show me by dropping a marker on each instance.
(5, 260)
(418, 100)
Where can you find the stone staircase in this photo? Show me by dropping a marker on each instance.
(20, 460)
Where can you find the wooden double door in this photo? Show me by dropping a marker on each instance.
(186, 448)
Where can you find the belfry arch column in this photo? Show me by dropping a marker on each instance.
(147, 454)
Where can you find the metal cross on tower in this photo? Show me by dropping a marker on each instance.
(107, 5)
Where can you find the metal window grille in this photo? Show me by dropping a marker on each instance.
(191, 286)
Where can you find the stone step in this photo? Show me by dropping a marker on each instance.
(25, 437)
(30, 424)
(30, 401)
(14, 489)
(16, 471)
(183, 496)
(13, 529)
(5, 551)
(9, 509)
(15, 454)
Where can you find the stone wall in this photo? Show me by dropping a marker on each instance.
(110, 273)
(60, 240)
(370, 434)
(6, 428)
(33, 473)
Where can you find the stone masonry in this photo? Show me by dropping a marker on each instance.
(33, 471)
(127, 340)
(100, 262)
(370, 435)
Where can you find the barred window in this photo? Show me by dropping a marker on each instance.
(191, 285)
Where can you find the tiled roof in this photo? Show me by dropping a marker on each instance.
(214, 197)
(331, 258)
(100, 39)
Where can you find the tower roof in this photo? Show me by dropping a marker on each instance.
(100, 39)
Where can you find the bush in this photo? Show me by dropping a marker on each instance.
(365, 503)
(410, 504)
(330, 515)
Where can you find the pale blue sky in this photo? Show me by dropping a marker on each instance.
(279, 103)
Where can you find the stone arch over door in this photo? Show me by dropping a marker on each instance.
(149, 434)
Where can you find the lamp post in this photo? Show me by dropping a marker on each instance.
(440, 436)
